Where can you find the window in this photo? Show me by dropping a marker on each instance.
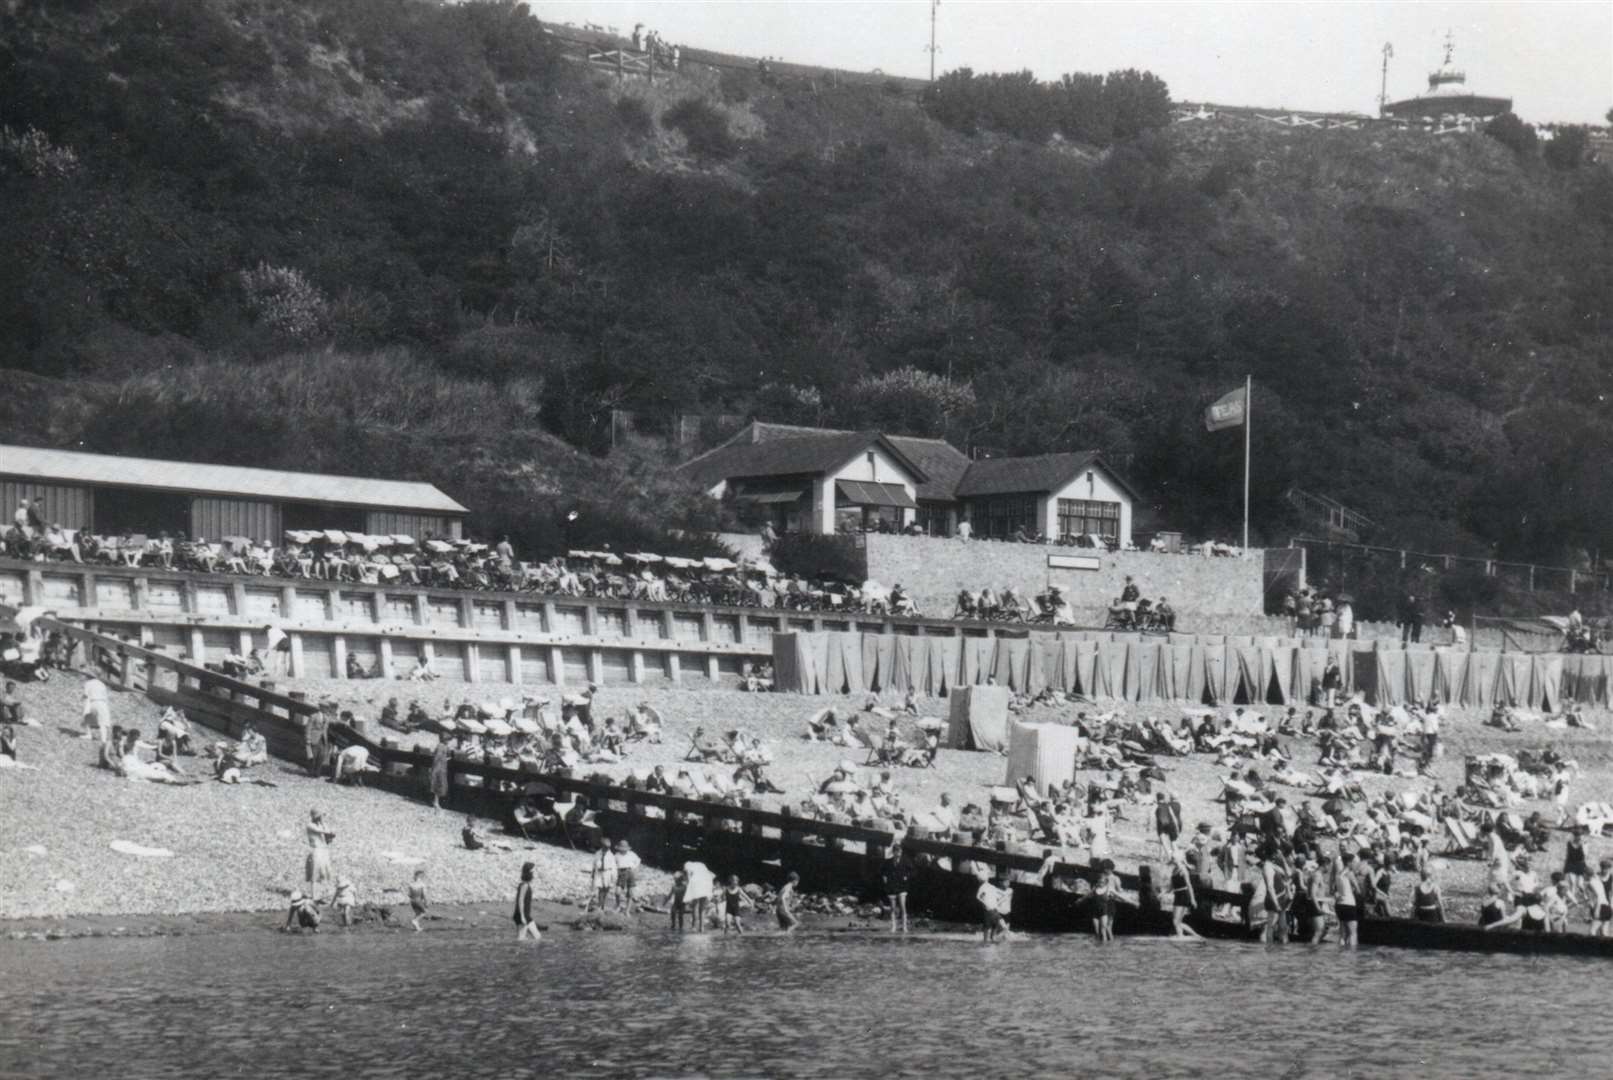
(1078, 517)
(932, 518)
(1000, 517)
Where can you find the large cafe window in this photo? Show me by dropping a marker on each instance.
(1001, 517)
(1077, 517)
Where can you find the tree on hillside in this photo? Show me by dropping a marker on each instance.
(1513, 134)
(1136, 101)
(910, 401)
(1567, 149)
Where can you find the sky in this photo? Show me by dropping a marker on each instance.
(1554, 58)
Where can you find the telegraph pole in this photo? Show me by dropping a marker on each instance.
(933, 49)
(1383, 85)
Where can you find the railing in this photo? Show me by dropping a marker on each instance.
(1532, 576)
(1334, 513)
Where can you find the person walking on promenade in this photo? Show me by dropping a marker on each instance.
(524, 926)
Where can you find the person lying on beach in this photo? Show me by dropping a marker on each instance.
(304, 913)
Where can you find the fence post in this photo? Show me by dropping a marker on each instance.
(1402, 558)
(620, 70)
(650, 74)
(1572, 580)
(1531, 577)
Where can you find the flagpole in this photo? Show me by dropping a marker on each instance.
(1248, 420)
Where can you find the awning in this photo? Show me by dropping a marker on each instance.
(869, 493)
(769, 497)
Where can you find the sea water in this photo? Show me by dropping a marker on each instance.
(464, 1004)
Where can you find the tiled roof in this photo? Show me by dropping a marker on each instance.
(942, 462)
(73, 467)
(784, 449)
(1023, 475)
(802, 455)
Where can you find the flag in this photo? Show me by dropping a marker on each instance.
(1227, 411)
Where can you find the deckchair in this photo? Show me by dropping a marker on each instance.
(1464, 840)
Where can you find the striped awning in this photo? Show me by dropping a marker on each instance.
(870, 493)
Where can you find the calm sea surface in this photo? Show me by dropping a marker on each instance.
(439, 1006)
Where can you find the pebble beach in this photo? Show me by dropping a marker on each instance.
(240, 848)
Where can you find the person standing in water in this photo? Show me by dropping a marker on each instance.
(524, 926)
(784, 904)
(1427, 905)
(1103, 896)
(1183, 901)
(317, 866)
(894, 874)
(1344, 899)
(733, 901)
(417, 899)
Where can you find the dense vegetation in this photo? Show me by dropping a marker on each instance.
(387, 235)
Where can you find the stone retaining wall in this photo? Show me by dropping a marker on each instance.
(933, 570)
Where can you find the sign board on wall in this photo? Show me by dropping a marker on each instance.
(1074, 562)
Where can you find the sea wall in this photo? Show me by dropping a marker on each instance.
(933, 569)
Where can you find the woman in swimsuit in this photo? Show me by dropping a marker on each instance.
(1183, 900)
(734, 900)
(1602, 901)
(524, 926)
(1427, 905)
(1575, 866)
(1344, 900)
(1103, 896)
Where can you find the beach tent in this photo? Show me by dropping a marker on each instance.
(885, 645)
(1086, 666)
(1341, 653)
(978, 719)
(834, 664)
(1143, 670)
(1512, 679)
(943, 664)
(1389, 684)
(1131, 667)
(1251, 675)
(1585, 678)
(873, 678)
(1420, 665)
(1450, 670)
(1215, 673)
(1306, 672)
(851, 660)
(1282, 671)
(1478, 688)
(1044, 752)
(792, 664)
(1110, 674)
(1187, 672)
(1008, 663)
(1042, 650)
(1546, 682)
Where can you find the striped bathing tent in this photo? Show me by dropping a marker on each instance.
(1197, 669)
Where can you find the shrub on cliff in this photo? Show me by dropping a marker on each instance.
(704, 127)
